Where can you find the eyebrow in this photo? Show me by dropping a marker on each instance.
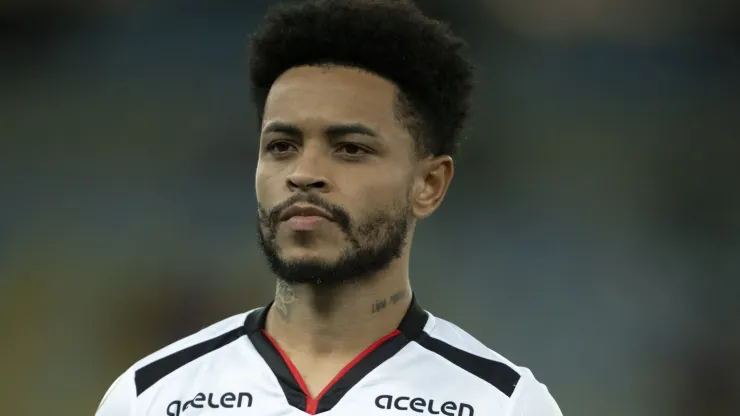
(280, 127)
(347, 129)
(333, 131)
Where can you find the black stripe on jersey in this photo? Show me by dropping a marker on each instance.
(293, 392)
(254, 324)
(151, 373)
(413, 323)
(497, 374)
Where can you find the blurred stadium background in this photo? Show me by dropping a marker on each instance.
(592, 232)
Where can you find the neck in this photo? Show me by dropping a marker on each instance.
(342, 319)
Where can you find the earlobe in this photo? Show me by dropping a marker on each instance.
(433, 181)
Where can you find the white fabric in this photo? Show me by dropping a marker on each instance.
(416, 379)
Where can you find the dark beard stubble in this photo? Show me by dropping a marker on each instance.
(373, 244)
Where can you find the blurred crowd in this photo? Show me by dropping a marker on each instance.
(601, 172)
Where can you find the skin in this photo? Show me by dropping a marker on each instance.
(323, 327)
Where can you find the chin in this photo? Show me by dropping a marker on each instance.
(306, 269)
(308, 255)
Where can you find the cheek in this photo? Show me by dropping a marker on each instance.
(368, 193)
(266, 187)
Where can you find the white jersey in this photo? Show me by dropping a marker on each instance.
(426, 366)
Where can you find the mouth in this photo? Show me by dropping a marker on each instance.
(304, 211)
(305, 218)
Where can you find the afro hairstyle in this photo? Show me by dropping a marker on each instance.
(390, 38)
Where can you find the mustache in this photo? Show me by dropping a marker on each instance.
(271, 218)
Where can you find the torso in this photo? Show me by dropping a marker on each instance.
(239, 371)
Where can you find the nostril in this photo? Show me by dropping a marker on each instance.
(306, 185)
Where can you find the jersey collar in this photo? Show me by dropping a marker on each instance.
(410, 329)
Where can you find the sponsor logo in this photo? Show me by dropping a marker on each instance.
(211, 400)
(419, 405)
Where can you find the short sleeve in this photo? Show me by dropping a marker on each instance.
(119, 399)
(531, 398)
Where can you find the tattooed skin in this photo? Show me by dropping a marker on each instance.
(381, 304)
(284, 300)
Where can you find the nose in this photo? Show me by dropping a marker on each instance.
(303, 182)
(307, 176)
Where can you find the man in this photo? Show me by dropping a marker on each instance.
(360, 103)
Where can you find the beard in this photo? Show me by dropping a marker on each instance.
(373, 244)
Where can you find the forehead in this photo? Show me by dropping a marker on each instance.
(332, 95)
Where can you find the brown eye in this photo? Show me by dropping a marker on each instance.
(280, 147)
(351, 149)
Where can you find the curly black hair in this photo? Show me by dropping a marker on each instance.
(390, 38)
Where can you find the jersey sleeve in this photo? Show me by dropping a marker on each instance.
(531, 398)
(119, 399)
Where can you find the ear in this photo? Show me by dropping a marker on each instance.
(433, 179)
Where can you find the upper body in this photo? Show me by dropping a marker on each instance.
(361, 104)
(426, 366)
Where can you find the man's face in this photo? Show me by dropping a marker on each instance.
(334, 176)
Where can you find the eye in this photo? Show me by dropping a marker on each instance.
(280, 147)
(351, 149)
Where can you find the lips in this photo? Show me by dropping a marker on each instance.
(304, 211)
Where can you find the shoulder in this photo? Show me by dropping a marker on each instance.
(527, 395)
(195, 345)
(147, 371)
